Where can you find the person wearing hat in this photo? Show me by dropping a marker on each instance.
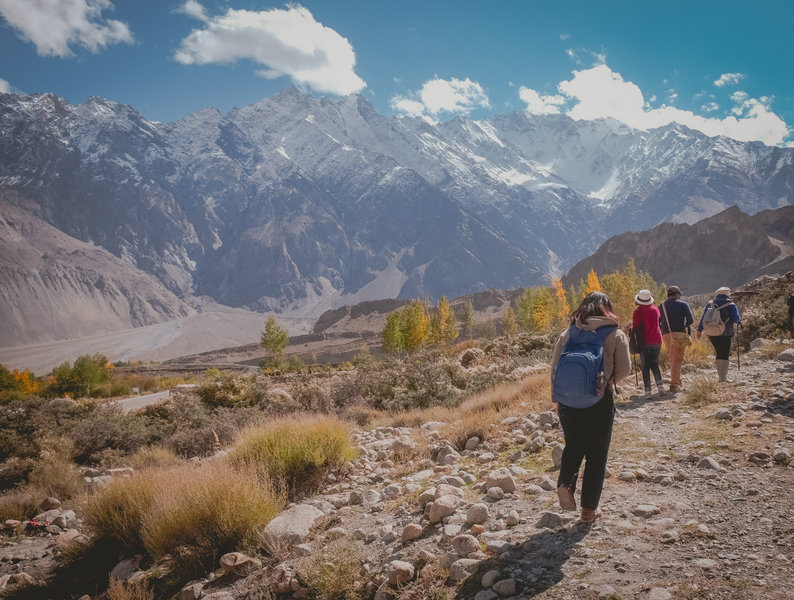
(646, 318)
(675, 321)
(729, 315)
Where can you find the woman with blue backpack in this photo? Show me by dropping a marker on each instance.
(717, 322)
(589, 358)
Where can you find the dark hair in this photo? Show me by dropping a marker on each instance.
(595, 304)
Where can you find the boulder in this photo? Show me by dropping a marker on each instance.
(411, 531)
(290, 527)
(556, 454)
(124, 570)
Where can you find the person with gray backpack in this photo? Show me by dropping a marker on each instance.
(718, 322)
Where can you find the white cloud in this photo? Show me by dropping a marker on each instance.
(710, 107)
(54, 26)
(728, 79)
(443, 96)
(5, 87)
(564, 36)
(288, 42)
(540, 105)
(600, 92)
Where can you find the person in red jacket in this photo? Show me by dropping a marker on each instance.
(646, 317)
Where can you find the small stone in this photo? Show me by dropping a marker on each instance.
(646, 510)
(501, 478)
(476, 529)
(670, 536)
(489, 578)
(191, 591)
(472, 443)
(706, 564)
(657, 594)
(723, 415)
(442, 507)
(486, 595)
(547, 484)
(533, 490)
(477, 514)
(356, 497)
(627, 476)
(556, 454)
(239, 564)
(709, 463)
(465, 544)
(462, 568)
(496, 493)
(513, 518)
(410, 532)
(50, 503)
(505, 587)
(550, 520)
(399, 572)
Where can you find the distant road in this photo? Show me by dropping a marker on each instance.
(129, 404)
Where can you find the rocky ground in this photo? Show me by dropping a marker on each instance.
(697, 505)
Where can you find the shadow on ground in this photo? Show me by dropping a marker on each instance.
(536, 564)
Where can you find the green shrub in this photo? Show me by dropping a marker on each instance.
(225, 390)
(107, 427)
(294, 452)
(702, 391)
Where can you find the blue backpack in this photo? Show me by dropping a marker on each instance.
(578, 380)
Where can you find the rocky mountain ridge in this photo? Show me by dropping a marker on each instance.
(727, 249)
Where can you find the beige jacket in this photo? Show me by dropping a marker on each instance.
(616, 348)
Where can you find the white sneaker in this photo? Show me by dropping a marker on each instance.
(660, 390)
(648, 393)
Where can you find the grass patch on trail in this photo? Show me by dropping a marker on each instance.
(715, 434)
(629, 444)
(701, 392)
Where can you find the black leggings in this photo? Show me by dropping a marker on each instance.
(588, 432)
(722, 346)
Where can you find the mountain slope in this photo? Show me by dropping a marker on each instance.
(730, 248)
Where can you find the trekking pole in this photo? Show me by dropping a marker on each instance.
(738, 350)
(636, 377)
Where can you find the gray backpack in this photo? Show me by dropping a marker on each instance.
(712, 319)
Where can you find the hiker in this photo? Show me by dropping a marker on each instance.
(586, 416)
(790, 304)
(646, 318)
(718, 322)
(675, 322)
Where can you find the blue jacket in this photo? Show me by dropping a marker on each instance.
(729, 314)
(680, 315)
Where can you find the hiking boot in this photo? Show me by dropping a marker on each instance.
(674, 389)
(567, 501)
(648, 393)
(660, 389)
(589, 515)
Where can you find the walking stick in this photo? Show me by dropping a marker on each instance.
(636, 377)
(738, 351)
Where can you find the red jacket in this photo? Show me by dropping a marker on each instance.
(649, 317)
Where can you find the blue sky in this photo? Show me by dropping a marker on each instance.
(723, 67)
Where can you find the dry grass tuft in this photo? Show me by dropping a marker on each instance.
(295, 452)
(153, 457)
(334, 573)
(121, 590)
(475, 415)
(201, 514)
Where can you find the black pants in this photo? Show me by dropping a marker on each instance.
(722, 346)
(588, 432)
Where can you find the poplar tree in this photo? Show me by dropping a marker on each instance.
(274, 338)
(509, 324)
(467, 318)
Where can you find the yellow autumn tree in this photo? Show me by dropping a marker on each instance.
(561, 307)
(593, 284)
(443, 324)
(26, 381)
(536, 309)
(415, 325)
